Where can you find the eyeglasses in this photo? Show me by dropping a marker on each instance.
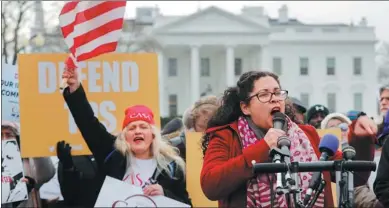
(265, 97)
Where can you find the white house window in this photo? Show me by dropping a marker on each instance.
(205, 67)
(331, 64)
(357, 65)
(277, 65)
(238, 66)
(304, 97)
(172, 66)
(358, 101)
(331, 102)
(304, 66)
(173, 105)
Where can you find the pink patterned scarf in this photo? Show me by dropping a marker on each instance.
(258, 188)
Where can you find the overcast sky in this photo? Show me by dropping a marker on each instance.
(376, 12)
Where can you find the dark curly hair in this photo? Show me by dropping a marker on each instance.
(230, 110)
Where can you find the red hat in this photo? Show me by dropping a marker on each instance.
(138, 113)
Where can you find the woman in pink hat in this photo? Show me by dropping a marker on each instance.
(138, 155)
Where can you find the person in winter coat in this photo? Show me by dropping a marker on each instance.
(43, 171)
(241, 132)
(337, 120)
(381, 183)
(174, 133)
(138, 155)
(316, 114)
(197, 116)
(363, 194)
(299, 108)
(76, 176)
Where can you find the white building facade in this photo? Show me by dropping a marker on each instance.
(206, 52)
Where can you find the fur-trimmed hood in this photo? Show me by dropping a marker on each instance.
(330, 116)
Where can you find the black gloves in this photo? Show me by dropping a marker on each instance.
(64, 154)
(30, 184)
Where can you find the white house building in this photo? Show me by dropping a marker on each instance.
(205, 52)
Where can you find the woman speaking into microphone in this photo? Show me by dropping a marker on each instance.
(241, 131)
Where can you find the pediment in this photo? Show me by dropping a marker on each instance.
(212, 20)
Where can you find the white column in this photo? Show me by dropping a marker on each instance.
(265, 59)
(230, 64)
(195, 73)
(161, 86)
(253, 60)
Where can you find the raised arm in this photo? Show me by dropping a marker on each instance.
(98, 139)
(221, 175)
(364, 145)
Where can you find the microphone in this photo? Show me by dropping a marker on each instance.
(328, 146)
(349, 155)
(283, 143)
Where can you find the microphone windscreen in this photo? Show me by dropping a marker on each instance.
(329, 142)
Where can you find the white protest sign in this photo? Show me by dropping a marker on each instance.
(12, 188)
(116, 193)
(9, 92)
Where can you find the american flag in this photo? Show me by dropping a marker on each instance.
(91, 28)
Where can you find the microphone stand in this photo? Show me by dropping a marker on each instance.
(344, 194)
(282, 154)
(277, 156)
(348, 178)
(317, 193)
(294, 188)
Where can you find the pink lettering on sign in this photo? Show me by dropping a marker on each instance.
(6, 179)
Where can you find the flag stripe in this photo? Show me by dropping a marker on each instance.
(100, 31)
(92, 24)
(69, 7)
(98, 10)
(107, 38)
(91, 28)
(70, 17)
(106, 48)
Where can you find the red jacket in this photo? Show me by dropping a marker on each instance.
(226, 168)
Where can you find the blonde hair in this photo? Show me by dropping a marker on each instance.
(163, 153)
(208, 103)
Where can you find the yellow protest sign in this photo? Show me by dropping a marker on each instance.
(194, 164)
(112, 82)
(335, 131)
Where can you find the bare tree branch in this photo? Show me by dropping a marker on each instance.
(16, 31)
(24, 8)
(4, 28)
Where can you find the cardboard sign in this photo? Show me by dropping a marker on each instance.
(116, 193)
(112, 82)
(9, 93)
(12, 188)
(194, 164)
